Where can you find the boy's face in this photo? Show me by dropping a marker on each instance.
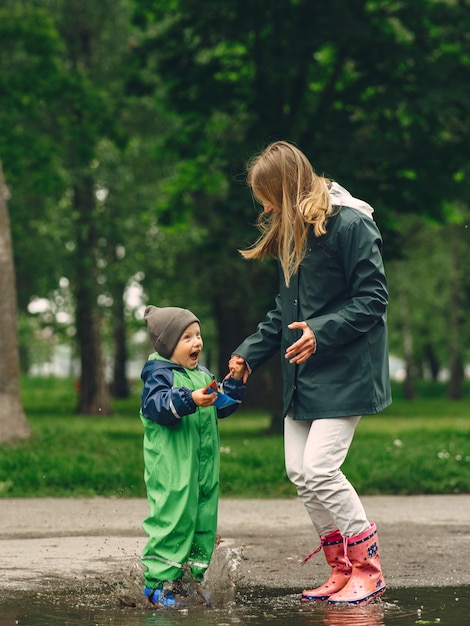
(189, 347)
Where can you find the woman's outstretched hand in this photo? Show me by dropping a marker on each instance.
(304, 347)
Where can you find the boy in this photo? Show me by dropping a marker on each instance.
(181, 452)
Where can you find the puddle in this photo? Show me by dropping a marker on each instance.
(117, 600)
(252, 607)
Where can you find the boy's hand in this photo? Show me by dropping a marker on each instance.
(204, 399)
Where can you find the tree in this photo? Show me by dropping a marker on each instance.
(90, 34)
(369, 104)
(36, 115)
(77, 188)
(102, 130)
(457, 244)
(429, 296)
(125, 146)
(13, 422)
(31, 84)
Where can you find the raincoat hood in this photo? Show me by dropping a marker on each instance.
(341, 197)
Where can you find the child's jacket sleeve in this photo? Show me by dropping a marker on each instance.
(161, 402)
(236, 390)
(166, 405)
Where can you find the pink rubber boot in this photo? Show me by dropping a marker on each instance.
(366, 581)
(333, 548)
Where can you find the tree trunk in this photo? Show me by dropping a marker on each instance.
(229, 331)
(456, 376)
(455, 318)
(408, 384)
(93, 393)
(13, 422)
(271, 380)
(120, 384)
(265, 385)
(432, 360)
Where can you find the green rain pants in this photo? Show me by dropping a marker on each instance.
(182, 477)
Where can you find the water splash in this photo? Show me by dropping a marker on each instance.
(222, 576)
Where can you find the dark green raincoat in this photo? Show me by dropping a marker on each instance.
(340, 290)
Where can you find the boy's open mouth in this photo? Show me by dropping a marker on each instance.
(194, 356)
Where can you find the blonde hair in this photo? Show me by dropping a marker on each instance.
(283, 177)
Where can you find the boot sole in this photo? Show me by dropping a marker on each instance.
(362, 601)
(314, 598)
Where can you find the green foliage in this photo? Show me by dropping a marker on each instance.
(368, 103)
(125, 127)
(428, 289)
(411, 448)
(31, 83)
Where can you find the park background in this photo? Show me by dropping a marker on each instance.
(125, 127)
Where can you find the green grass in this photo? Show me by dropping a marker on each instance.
(413, 447)
(70, 455)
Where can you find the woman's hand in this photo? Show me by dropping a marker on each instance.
(237, 367)
(304, 347)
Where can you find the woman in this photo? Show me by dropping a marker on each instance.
(329, 321)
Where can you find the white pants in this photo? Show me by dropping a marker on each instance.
(314, 453)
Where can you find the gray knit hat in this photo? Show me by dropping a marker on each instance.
(166, 325)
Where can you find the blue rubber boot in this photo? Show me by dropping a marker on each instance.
(160, 597)
(172, 593)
